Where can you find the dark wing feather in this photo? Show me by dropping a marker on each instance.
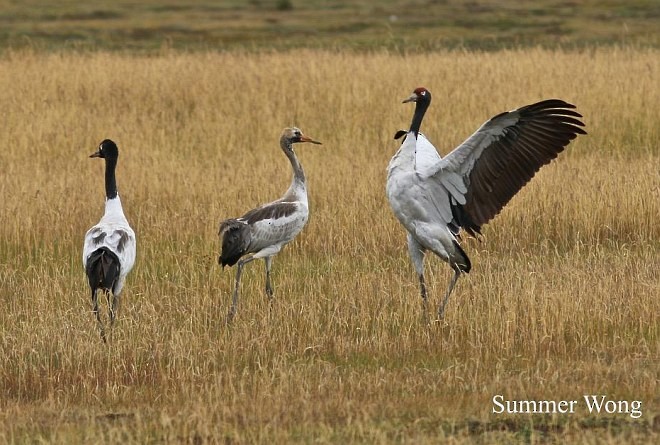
(274, 210)
(507, 151)
(98, 236)
(235, 237)
(124, 238)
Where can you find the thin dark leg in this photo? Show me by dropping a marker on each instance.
(425, 305)
(234, 301)
(441, 310)
(269, 288)
(114, 309)
(416, 252)
(95, 309)
(108, 299)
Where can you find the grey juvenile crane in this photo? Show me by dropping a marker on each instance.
(109, 247)
(434, 197)
(263, 231)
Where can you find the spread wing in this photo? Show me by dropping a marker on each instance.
(491, 166)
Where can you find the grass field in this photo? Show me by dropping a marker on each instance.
(562, 300)
(398, 25)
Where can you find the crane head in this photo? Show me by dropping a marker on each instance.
(420, 93)
(295, 135)
(107, 150)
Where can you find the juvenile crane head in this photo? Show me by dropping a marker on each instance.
(420, 94)
(107, 150)
(294, 135)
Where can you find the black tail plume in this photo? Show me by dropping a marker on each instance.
(460, 260)
(102, 269)
(235, 236)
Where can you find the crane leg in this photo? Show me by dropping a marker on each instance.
(441, 309)
(234, 300)
(425, 304)
(95, 309)
(269, 287)
(114, 309)
(416, 252)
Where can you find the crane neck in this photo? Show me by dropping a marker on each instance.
(421, 106)
(110, 180)
(298, 186)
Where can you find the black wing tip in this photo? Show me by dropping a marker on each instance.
(553, 103)
(554, 106)
(558, 108)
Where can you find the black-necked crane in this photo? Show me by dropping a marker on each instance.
(434, 197)
(109, 247)
(262, 232)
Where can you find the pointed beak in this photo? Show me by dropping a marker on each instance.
(96, 154)
(411, 98)
(306, 139)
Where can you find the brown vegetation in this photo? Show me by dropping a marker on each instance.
(562, 300)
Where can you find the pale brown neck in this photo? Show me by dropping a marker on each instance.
(298, 182)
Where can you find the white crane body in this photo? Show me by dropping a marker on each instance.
(435, 198)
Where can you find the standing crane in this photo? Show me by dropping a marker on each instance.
(262, 232)
(109, 247)
(434, 197)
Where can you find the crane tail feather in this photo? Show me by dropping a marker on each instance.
(460, 262)
(103, 269)
(235, 236)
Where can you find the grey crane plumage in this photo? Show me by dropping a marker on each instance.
(435, 197)
(263, 231)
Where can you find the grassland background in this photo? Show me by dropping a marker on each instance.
(562, 300)
(399, 25)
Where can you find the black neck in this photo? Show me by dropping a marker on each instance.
(110, 181)
(420, 108)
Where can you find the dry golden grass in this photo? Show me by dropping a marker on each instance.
(562, 300)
